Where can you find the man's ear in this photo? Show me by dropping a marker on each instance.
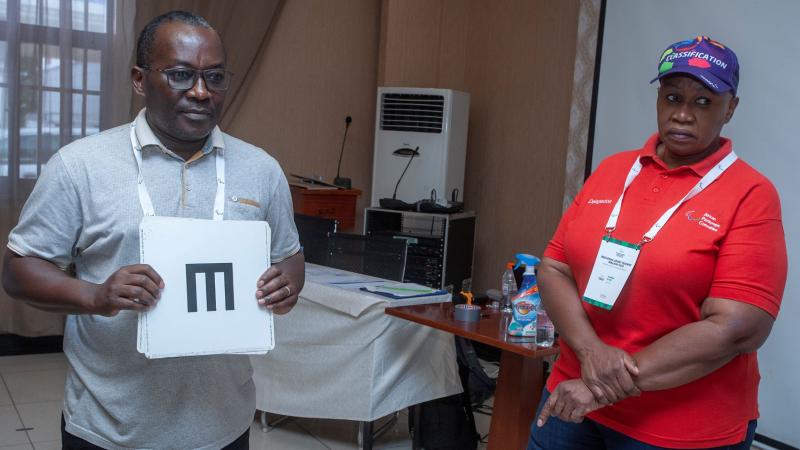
(137, 80)
(731, 109)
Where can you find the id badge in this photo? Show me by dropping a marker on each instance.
(613, 266)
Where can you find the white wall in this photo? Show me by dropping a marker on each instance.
(764, 131)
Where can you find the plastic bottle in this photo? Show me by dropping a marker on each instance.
(508, 285)
(545, 331)
(526, 303)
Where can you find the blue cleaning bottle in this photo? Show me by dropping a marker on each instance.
(526, 302)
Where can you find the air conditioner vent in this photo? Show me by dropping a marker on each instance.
(412, 112)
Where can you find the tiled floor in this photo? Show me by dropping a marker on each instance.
(32, 389)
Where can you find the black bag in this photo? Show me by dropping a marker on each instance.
(444, 424)
(448, 423)
(481, 386)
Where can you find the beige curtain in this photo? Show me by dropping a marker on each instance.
(243, 24)
(245, 29)
(57, 65)
(580, 110)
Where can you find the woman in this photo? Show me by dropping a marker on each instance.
(660, 314)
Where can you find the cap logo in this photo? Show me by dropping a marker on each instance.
(715, 85)
(687, 45)
(697, 56)
(697, 62)
(708, 60)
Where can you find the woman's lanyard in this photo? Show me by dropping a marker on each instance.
(144, 197)
(616, 258)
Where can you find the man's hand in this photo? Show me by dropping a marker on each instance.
(276, 290)
(136, 287)
(570, 401)
(608, 373)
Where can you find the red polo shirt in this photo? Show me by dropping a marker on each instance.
(727, 242)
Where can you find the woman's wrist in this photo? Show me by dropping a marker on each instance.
(585, 347)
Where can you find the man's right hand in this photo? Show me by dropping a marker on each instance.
(136, 287)
(608, 373)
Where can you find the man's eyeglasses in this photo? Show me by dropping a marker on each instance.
(183, 79)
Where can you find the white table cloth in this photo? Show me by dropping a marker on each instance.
(338, 356)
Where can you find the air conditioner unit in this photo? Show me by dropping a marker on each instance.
(434, 123)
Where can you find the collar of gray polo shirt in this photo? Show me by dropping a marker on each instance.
(144, 197)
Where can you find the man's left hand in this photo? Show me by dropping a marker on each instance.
(570, 401)
(276, 290)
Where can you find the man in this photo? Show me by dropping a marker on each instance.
(85, 212)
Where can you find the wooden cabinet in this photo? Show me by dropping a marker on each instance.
(339, 204)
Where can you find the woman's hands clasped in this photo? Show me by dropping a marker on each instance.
(607, 376)
(608, 373)
(570, 401)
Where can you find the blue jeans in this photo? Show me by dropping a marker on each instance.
(557, 434)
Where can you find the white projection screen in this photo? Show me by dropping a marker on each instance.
(763, 33)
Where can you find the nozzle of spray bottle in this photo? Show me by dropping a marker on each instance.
(529, 261)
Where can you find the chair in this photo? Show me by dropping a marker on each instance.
(314, 232)
(378, 256)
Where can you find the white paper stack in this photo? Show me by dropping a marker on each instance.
(208, 305)
(406, 294)
(389, 292)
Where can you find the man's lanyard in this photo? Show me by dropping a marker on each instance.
(706, 181)
(616, 258)
(144, 197)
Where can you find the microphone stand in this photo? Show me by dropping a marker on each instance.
(394, 203)
(415, 153)
(340, 181)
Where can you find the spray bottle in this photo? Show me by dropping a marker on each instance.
(526, 302)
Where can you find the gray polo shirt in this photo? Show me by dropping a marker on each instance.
(85, 210)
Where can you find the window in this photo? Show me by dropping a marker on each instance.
(51, 77)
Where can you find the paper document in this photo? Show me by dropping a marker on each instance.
(404, 290)
(393, 293)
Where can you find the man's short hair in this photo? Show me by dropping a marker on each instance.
(144, 44)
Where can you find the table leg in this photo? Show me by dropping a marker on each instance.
(365, 435)
(519, 389)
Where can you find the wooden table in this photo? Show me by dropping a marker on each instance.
(521, 378)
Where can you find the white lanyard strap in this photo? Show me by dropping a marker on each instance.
(632, 174)
(219, 198)
(706, 181)
(144, 196)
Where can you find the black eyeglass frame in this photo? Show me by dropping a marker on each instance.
(228, 75)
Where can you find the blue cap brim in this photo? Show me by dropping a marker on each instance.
(702, 75)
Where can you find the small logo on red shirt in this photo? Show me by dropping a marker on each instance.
(603, 201)
(706, 221)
